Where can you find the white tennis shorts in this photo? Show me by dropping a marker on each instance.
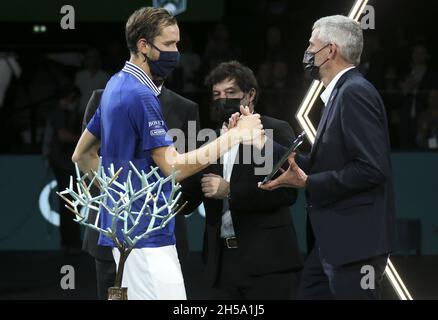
(153, 274)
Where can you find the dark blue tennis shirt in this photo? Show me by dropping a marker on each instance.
(129, 124)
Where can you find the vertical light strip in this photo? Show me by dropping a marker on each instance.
(406, 295)
(302, 116)
(312, 102)
(304, 109)
(395, 284)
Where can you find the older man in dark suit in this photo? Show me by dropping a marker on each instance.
(347, 175)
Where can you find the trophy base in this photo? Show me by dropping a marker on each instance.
(115, 293)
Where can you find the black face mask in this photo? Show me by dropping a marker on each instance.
(165, 64)
(223, 109)
(309, 63)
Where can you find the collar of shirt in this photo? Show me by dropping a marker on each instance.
(141, 76)
(328, 91)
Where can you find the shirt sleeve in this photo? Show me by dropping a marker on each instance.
(149, 122)
(94, 125)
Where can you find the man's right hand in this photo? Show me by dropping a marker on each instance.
(249, 126)
(232, 122)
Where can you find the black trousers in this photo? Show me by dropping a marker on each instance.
(105, 275)
(355, 281)
(234, 282)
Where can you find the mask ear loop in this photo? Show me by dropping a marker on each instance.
(327, 59)
(328, 44)
(144, 54)
(153, 46)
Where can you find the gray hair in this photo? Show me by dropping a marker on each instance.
(345, 33)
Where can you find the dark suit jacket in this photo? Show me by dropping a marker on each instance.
(177, 112)
(350, 187)
(262, 220)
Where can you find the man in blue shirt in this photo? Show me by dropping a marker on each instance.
(129, 126)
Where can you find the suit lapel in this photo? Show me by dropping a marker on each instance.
(217, 168)
(170, 110)
(238, 160)
(328, 110)
(325, 116)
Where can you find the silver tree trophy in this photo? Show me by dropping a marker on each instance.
(121, 197)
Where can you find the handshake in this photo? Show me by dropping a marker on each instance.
(247, 127)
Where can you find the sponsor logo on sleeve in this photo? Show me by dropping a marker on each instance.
(158, 132)
(156, 128)
(156, 123)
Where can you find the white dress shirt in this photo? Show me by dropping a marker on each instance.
(227, 229)
(325, 96)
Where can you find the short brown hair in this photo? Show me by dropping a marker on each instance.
(146, 23)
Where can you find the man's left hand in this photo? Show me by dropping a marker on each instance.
(214, 186)
(293, 177)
